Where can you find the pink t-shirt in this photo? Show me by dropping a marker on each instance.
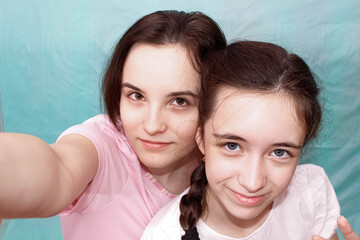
(123, 196)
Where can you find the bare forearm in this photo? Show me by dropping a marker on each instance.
(30, 174)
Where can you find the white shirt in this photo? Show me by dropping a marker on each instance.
(308, 206)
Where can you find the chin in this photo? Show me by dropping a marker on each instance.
(155, 161)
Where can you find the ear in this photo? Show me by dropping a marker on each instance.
(199, 140)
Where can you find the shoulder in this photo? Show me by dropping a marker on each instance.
(101, 132)
(310, 177)
(99, 124)
(114, 156)
(311, 182)
(306, 174)
(165, 224)
(310, 170)
(315, 195)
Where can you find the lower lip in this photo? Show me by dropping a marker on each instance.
(154, 145)
(248, 200)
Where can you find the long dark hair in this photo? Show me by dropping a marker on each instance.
(196, 32)
(256, 66)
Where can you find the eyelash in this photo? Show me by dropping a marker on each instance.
(238, 148)
(134, 95)
(288, 154)
(185, 102)
(227, 144)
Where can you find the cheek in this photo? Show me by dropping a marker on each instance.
(218, 169)
(186, 130)
(129, 116)
(186, 126)
(281, 179)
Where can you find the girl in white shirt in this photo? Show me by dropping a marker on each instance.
(258, 109)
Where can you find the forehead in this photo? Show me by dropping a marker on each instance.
(249, 113)
(161, 65)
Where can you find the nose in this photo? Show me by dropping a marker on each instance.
(253, 177)
(154, 122)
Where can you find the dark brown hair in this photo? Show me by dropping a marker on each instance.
(255, 66)
(198, 33)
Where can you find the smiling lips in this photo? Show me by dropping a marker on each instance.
(151, 145)
(248, 200)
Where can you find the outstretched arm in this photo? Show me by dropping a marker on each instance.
(40, 180)
(345, 229)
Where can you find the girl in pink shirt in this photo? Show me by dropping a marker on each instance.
(108, 176)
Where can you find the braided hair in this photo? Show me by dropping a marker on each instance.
(193, 204)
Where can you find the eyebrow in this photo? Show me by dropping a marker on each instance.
(172, 94)
(235, 137)
(229, 136)
(186, 93)
(287, 144)
(131, 86)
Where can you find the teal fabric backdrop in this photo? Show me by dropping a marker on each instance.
(52, 55)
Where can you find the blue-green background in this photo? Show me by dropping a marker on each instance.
(52, 55)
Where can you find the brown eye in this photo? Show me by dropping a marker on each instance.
(180, 101)
(136, 96)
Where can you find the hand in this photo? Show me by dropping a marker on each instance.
(345, 229)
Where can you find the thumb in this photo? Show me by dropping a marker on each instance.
(315, 237)
(346, 229)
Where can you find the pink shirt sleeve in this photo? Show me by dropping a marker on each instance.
(112, 175)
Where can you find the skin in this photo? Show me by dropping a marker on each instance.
(62, 172)
(158, 108)
(252, 144)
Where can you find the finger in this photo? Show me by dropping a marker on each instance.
(346, 229)
(317, 238)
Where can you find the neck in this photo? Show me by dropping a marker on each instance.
(176, 178)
